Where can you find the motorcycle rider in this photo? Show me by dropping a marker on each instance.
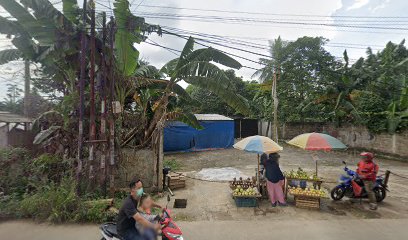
(367, 171)
(129, 215)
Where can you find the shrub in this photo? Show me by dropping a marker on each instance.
(53, 202)
(49, 168)
(96, 212)
(14, 170)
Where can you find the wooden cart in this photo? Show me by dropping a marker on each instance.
(316, 183)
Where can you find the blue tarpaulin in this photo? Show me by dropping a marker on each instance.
(180, 137)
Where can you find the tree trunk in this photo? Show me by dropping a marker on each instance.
(267, 129)
(275, 108)
(27, 78)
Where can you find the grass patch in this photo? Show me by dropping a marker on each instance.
(173, 164)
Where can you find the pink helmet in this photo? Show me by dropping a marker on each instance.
(368, 155)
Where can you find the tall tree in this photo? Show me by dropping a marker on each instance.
(272, 72)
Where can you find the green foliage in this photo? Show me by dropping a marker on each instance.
(71, 10)
(9, 55)
(194, 67)
(371, 109)
(14, 170)
(172, 163)
(52, 202)
(49, 168)
(95, 213)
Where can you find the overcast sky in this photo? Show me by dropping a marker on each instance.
(261, 27)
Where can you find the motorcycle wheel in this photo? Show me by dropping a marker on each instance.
(380, 193)
(337, 193)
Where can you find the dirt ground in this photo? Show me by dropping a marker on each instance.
(208, 201)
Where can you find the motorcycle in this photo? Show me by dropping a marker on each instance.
(345, 188)
(170, 231)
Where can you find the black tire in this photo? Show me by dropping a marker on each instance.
(380, 193)
(337, 193)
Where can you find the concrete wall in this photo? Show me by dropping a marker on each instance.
(146, 164)
(136, 163)
(4, 136)
(352, 136)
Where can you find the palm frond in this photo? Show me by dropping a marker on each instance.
(187, 50)
(9, 55)
(233, 99)
(213, 55)
(71, 10)
(169, 67)
(185, 117)
(206, 70)
(147, 71)
(10, 27)
(127, 34)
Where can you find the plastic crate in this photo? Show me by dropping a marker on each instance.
(245, 202)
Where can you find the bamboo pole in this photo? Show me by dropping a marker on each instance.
(103, 107)
(81, 100)
(92, 125)
(112, 117)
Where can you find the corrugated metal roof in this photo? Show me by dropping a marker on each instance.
(13, 118)
(212, 117)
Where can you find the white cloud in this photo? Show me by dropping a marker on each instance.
(380, 6)
(358, 4)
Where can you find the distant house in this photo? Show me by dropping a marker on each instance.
(15, 131)
(218, 133)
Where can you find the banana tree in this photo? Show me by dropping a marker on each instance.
(342, 94)
(197, 67)
(397, 112)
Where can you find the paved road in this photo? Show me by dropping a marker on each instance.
(228, 230)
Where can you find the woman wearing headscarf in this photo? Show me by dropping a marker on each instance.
(275, 180)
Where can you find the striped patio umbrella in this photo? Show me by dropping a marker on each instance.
(317, 141)
(258, 144)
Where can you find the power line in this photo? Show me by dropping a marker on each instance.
(282, 22)
(272, 14)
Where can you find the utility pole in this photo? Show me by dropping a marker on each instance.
(81, 89)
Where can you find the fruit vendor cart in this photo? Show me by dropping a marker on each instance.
(296, 184)
(301, 178)
(244, 192)
(306, 197)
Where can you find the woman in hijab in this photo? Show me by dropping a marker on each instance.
(275, 180)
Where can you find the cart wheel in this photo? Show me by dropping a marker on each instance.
(337, 193)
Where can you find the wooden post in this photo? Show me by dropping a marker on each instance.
(386, 178)
(257, 174)
(92, 125)
(112, 117)
(103, 94)
(81, 100)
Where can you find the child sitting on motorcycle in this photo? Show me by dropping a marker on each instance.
(145, 210)
(367, 171)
